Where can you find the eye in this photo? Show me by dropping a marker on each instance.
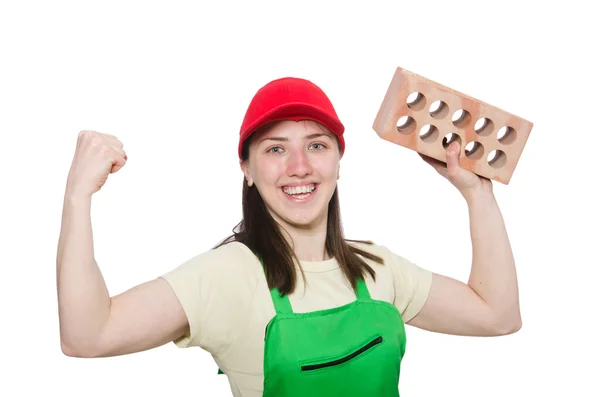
(273, 149)
(320, 146)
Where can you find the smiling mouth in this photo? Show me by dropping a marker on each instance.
(299, 192)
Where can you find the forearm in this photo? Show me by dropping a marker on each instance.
(493, 274)
(83, 299)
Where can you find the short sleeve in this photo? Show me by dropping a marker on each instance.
(215, 290)
(411, 285)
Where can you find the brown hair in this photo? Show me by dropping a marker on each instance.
(261, 234)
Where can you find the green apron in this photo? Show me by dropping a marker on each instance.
(351, 350)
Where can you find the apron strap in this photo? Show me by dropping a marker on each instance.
(362, 292)
(282, 303)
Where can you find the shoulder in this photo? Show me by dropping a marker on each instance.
(397, 263)
(231, 260)
(410, 283)
(228, 256)
(215, 289)
(373, 248)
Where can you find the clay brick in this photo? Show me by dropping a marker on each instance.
(409, 107)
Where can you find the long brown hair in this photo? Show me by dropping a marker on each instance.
(261, 234)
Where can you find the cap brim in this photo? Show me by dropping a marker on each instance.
(295, 111)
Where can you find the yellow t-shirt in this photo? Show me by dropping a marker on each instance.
(225, 296)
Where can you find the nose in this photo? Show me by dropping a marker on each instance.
(298, 164)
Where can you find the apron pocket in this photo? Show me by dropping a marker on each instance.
(344, 359)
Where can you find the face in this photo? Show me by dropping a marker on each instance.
(295, 167)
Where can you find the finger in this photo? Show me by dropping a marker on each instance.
(113, 141)
(118, 160)
(443, 171)
(438, 165)
(81, 137)
(452, 162)
(117, 165)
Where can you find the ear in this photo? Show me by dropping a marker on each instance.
(246, 170)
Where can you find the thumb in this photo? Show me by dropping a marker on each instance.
(118, 163)
(452, 158)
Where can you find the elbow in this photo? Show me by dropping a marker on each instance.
(510, 329)
(70, 350)
(509, 326)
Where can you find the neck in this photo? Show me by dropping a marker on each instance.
(307, 242)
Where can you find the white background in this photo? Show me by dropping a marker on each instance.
(173, 80)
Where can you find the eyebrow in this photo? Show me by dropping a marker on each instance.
(282, 139)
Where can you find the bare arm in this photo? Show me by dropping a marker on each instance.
(92, 324)
(142, 318)
(488, 304)
(83, 300)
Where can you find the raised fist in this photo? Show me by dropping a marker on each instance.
(97, 155)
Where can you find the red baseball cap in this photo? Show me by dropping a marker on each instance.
(290, 98)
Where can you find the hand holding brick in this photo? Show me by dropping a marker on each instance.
(426, 117)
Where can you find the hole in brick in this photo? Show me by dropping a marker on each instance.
(507, 135)
(474, 150)
(461, 118)
(416, 101)
(406, 125)
(496, 158)
(429, 133)
(438, 110)
(449, 138)
(484, 126)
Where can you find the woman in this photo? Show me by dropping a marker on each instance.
(286, 305)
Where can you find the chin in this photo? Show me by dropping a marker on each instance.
(305, 221)
(300, 221)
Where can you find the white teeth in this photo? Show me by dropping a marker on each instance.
(300, 189)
